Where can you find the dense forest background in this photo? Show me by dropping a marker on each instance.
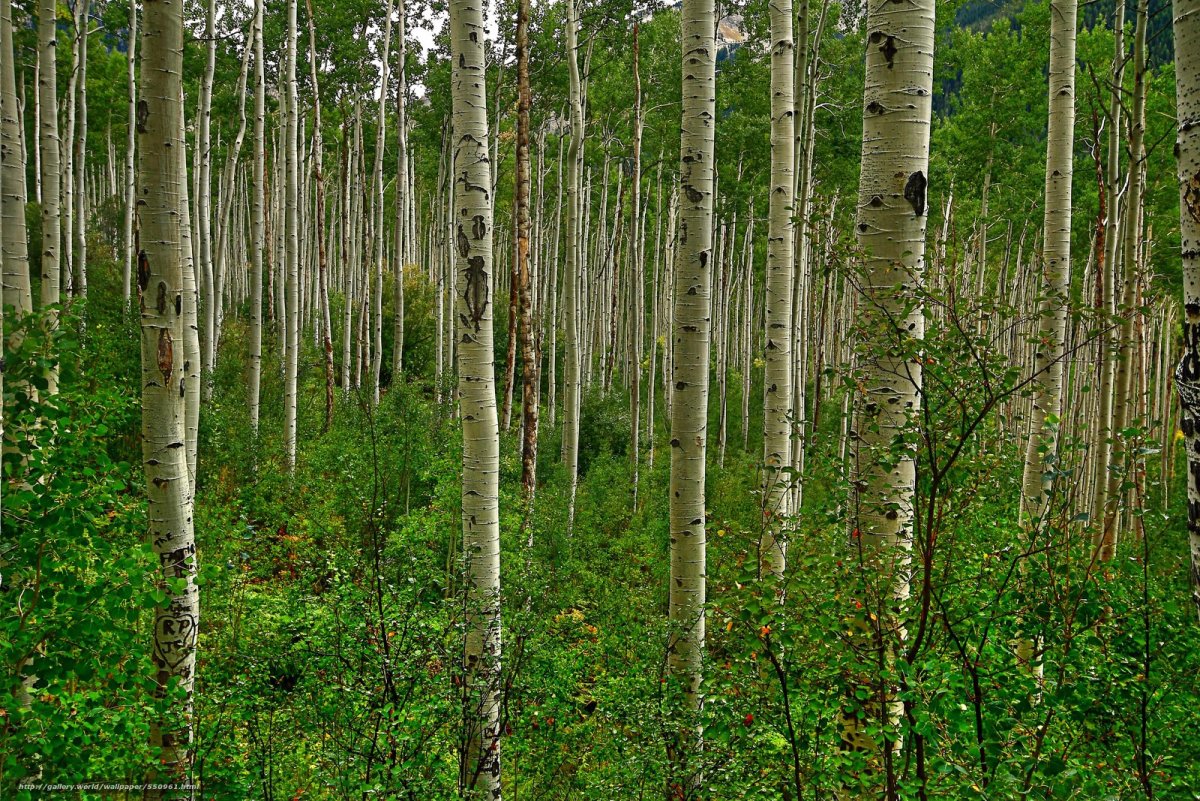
(329, 656)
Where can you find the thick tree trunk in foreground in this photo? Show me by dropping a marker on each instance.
(690, 328)
(777, 381)
(14, 247)
(161, 267)
(1187, 375)
(892, 214)
(480, 754)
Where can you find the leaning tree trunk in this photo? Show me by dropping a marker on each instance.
(777, 381)
(480, 755)
(691, 324)
(161, 217)
(1037, 484)
(1187, 375)
(892, 214)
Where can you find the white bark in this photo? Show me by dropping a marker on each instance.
(892, 215)
(161, 287)
(258, 236)
(777, 381)
(480, 762)
(14, 247)
(690, 330)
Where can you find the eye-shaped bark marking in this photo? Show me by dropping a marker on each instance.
(914, 192)
(143, 114)
(476, 291)
(1191, 196)
(166, 355)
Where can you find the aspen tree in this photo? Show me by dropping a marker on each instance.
(637, 276)
(480, 755)
(258, 224)
(690, 326)
(79, 260)
(161, 265)
(204, 199)
(572, 323)
(377, 236)
(404, 199)
(1122, 414)
(1107, 269)
(326, 338)
(530, 359)
(292, 234)
(1037, 482)
(1041, 463)
(130, 149)
(14, 246)
(892, 215)
(1186, 15)
(777, 381)
(50, 167)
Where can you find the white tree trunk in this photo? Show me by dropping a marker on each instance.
(258, 235)
(14, 247)
(161, 266)
(892, 215)
(690, 330)
(480, 760)
(777, 381)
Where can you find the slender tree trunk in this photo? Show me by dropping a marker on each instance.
(530, 358)
(258, 237)
(1107, 272)
(1187, 376)
(572, 323)
(292, 236)
(161, 265)
(777, 380)
(50, 167)
(322, 261)
(130, 150)
(637, 321)
(480, 763)
(1123, 416)
(892, 216)
(377, 224)
(689, 374)
(404, 197)
(80, 144)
